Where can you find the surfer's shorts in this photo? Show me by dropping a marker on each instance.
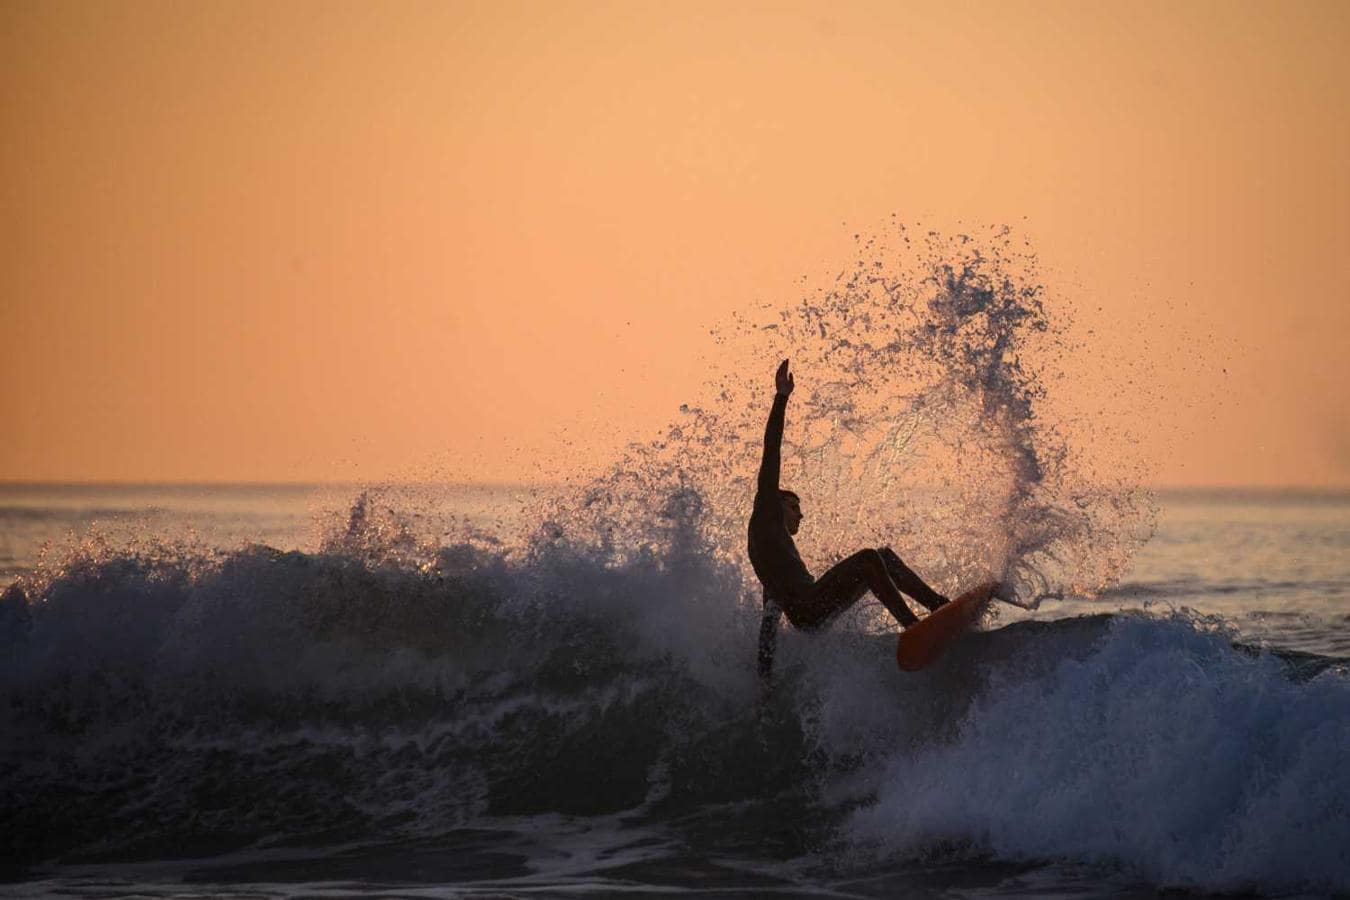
(832, 593)
(844, 585)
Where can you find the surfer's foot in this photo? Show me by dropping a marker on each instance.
(933, 601)
(906, 617)
(903, 614)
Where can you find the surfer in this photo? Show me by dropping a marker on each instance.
(811, 603)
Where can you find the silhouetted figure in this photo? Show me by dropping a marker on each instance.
(811, 603)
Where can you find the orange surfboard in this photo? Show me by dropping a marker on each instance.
(921, 644)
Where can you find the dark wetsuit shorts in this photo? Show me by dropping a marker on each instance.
(845, 583)
(832, 593)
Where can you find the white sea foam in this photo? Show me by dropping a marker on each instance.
(1163, 750)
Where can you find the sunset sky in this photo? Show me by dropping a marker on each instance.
(312, 241)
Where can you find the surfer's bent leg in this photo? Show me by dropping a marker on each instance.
(843, 585)
(906, 580)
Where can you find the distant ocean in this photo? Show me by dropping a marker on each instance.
(317, 691)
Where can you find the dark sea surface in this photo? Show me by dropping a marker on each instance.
(325, 691)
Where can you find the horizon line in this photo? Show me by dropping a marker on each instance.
(1164, 488)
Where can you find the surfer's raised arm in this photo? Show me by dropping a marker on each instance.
(771, 464)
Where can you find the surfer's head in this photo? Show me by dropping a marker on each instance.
(792, 510)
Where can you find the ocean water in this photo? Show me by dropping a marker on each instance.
(428, 691)
(291, 707)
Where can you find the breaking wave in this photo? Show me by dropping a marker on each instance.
(180, 707)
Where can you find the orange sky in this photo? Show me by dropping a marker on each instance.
(270, 241)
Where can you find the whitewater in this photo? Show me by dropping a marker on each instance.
(550, 690)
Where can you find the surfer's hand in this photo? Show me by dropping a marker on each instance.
(783, 379)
